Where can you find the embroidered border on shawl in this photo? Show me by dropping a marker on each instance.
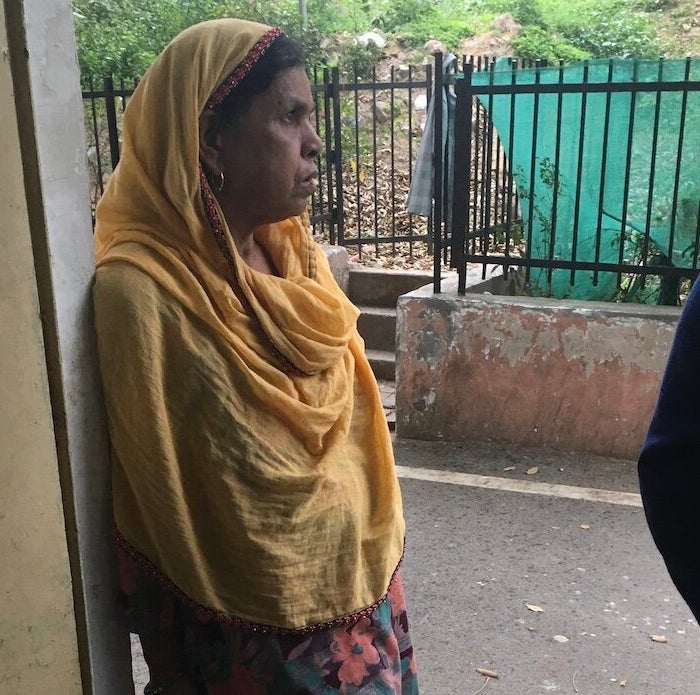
(217, 229)
(220, 617)
(242, 69)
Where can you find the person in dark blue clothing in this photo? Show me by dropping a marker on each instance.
(669, 465)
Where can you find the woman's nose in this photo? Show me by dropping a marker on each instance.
(313, 143)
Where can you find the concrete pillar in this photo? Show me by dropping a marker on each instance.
(58, 618)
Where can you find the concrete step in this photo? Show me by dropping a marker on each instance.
(383, 364)
(379, 287)
(377, 325)
(387, 391)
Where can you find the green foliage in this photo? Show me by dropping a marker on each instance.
(611, 30)
(358, 59)
(390, 15)
(123, 37)
(536, 43)
(652, 5)
(525, 12)
(450, 30)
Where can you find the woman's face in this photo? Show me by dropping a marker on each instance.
(269, 154)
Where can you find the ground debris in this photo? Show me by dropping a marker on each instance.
(535, 609)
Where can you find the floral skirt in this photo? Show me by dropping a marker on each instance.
(371, 656)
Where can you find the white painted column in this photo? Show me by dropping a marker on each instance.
(46, 91)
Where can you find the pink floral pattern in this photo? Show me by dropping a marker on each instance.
(354, 649)
(370, 656)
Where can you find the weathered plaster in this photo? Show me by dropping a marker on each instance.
(538, 372)
(53, 418)
(38, 640)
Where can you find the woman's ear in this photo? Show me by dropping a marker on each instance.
(210, 141)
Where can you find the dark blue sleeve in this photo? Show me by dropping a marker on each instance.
(669, 465)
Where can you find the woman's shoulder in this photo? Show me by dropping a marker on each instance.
(125, 288)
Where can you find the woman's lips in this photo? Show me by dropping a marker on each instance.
(309, 184)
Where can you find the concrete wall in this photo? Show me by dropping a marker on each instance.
(553, 373)
(59, 629)
(38, 644)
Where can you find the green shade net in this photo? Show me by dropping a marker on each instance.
(594, 173)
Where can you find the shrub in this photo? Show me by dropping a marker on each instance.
(536, 43)
(450, 30)
(525, 12)
(390, 15)
(609, 31)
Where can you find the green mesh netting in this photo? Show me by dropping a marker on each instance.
(624, 188)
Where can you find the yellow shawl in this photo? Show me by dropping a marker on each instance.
(253, 469)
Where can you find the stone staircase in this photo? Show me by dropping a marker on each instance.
(375, 292)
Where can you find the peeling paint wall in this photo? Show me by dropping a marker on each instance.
(553, 373)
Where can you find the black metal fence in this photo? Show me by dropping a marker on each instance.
(371, 130)
(605, 161)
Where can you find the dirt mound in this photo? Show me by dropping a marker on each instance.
(494, 43)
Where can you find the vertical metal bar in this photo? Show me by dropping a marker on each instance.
(511, 138)
(474, 163)
(462, 183)
(437, 171)
(628, 163)
(557, 159)
(358, 164)
(375, 188)
(499, 185)
(393, 162)
(111, 121)
(603, 171)
(652, 168)
(579, 169)
(410, 140)
(679, 155)
(317, 196)
(488, 177)
(96, 135)
(319, 201)
(485, 183)
(339, 216)
(533, 161)
(329, 134)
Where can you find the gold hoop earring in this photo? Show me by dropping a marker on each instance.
(222, 182)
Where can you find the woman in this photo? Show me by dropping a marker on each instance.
(257, 509)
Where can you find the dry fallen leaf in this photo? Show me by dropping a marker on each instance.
(509, 468)
(533, 470)
(486, 672)
(585, 527)
(661, 639)
(535, 609)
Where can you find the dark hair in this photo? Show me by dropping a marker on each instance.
(282, 54)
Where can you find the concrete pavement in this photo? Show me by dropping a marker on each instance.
(505, 529)
(478, 555)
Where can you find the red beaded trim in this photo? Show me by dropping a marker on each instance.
(219, 617)
(217, 229)
(213, 218)
(242, 69)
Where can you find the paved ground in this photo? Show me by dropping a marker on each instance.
(478, 555)
(487, 539)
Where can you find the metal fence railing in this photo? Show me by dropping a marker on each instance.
(371, 129)
(605, 161)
